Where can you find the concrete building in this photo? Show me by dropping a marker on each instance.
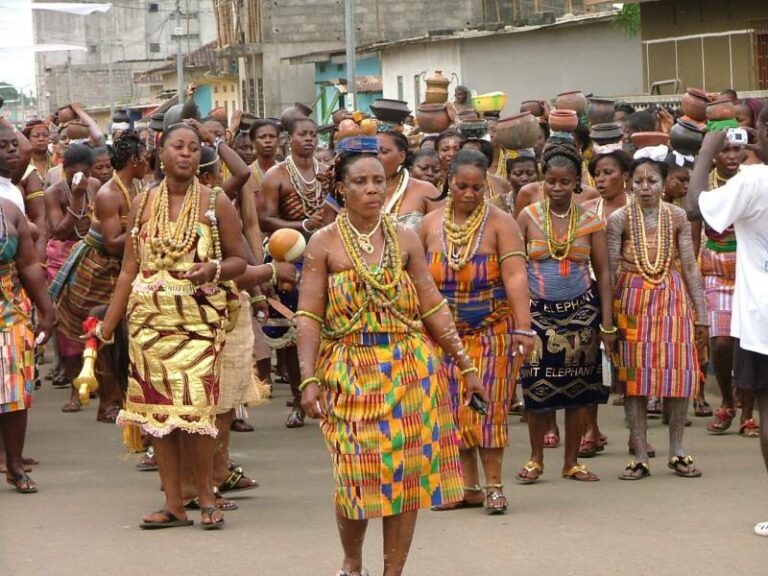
(266, 36)
(134, 35)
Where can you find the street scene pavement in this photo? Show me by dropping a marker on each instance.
(84, 521)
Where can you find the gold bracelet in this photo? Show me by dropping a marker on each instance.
(258, 298)
(519, 253)
(34, 195)
(433, 310)
(273, 280)
(310, 315)
(611, 331)
(307, 381)
(469, 370)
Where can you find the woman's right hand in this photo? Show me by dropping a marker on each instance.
(472, 386)
(81, 188)
(286, 273)
(310, 401)
(45, 328)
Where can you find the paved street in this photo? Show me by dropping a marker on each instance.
(84, 519)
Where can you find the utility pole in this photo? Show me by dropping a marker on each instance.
(349, 28)
(179, 56)
(69, 76)
(111, 72)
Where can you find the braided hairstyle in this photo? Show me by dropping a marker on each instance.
(125, 146)
(563, 154)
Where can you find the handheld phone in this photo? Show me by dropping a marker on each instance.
(478, 404)
(737, 137)
(77, 178)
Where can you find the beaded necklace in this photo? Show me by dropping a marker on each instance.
(166, 242)
(457, 239)
(84, 213)
(655, 272)
(560, 248)
(394, 204)
(490, 190)
(364, 240)
(310, 192)
(124, 189)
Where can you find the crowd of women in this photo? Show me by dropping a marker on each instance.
(441, 272)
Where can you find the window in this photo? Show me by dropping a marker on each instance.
(215, 89)
(400, 90)
(154, 47)
(760, 43)
(416, 89)
(92, 48)
(153, 7)
(224, 88)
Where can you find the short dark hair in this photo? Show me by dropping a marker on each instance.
(296, 121)
(180, 126)
(261, 123)
(485, 147)
(77, 154)
(661, 166)
(623, 159)
(641, 121)
(624, 107)
(124, 147)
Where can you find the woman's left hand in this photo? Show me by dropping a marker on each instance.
(205, 134)
(522, 345)
(702, 335)
(45, 327)
(609, 341)
(201, 272)
(472, 386)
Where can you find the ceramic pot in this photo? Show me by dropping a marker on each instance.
(643, 139)
(65, 114)
(77, 130)
(467, 116)
(694, 104)
(563, 120)
(303, 108)
(432, 118)
(517, 132)
(721, 110)
(601, 110)
(686, 137)
(291, 114)
(247, 121)
(607, 133)
(219, 114)
(477, 129)
(437, 88)
(394, 111)
(575, 101)
(535, 107)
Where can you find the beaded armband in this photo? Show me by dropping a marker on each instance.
(434, 309)
(519, 253)
(310, 315)
(307, 381)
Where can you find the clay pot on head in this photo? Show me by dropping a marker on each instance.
(467, 116)
(694, 104)
(721, 110)
(575, 101)
(291, 114)
(247, 121)
(517, 132)
(77, 130)
(686, 137)
(607, 133)
(65, 114)
(432, 118)
(474, 129)
(643, 139)
(437, 88)
(601, 110)
(394, 111)
(303, 108)
(563, 120)
(535, 107)
(219, 114)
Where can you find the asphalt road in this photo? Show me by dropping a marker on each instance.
(84, 520)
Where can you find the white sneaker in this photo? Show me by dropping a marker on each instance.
(761, 529)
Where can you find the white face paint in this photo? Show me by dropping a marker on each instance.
(647, 184)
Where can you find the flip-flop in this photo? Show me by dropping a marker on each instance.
(223, 504)
(18, 481)
(171, 522)
(573, 474)
(240, 425)
(232, 483)
(71, 407)
(295, 419)
(460, 505)
(530, 466)
(213, 524)
(635, 467)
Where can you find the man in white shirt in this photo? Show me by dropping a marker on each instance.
(743, 203)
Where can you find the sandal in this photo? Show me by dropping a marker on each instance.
(635, 471)
(72, 406)
(495, 501)
(147, 462)
(223, 504)
(362, 572)
(462, 504)
(110, 415)
(654, 407)
(750, 429)
(586, 476)
(22, 483)
(619, 400)
(295, 419)
(702, 409)
(589, 449)
(683, 467)
(171, 521)
(213, 523)
(240, 425)
(517, 408)
(722, 420)
(238, 482)
(530, 466)
(552, 439)
(761, 529)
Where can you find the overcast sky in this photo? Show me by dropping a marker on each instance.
(17, 67)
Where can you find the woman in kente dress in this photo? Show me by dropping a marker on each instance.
(571, 313)
(369, 314)
(21, 278)
(476, 256)
(184, 243)
(408, 199)
(660, 312)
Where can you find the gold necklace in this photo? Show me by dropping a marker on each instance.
(457, 238)
(564, 214)
(655, 272)
(391, 245)
(166, 241)
(559, 249)
(124, 189)
(364, 240)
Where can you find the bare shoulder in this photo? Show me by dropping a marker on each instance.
(618, 217)
(679, 215)
(321, 240)
(500, 216)
(11, 212)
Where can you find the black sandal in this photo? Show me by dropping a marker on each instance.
(631, 470)
(213, 524)
(171, 521)
(22, 483)
(295, 419)
(231, 484)
(683, 467)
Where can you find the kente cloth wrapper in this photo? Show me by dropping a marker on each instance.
(718, 270)
(389, 428)
(565, 369)
(238, 384)
(17, 340)
(175, 334)
(56, 252)
(483, 317)
(87, 279)
(657, 344)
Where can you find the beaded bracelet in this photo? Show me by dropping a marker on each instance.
(273, 280)
(307, 381)
(217, 276)
(469, 370)
(305, 227)
(611, 331)
(258, 298)
(519, 253)
(529, 333)
(100, 336)
(34, 195)
(310, 315)
(434, 309)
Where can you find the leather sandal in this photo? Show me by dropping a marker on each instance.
(573, 474)
(722, 420)
(530, 466)
(495, 501)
